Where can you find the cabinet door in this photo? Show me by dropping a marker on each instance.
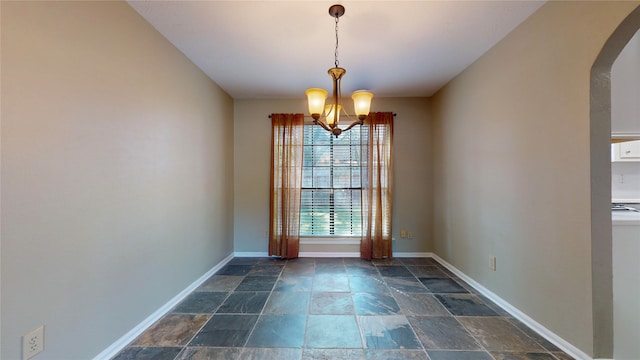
(630, 150)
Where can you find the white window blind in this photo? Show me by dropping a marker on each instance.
(331, 187)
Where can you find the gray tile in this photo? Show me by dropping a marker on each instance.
(200, 303)
(225, 331)
(499, 335)
(522, 356)
(458, 355)
(419, 304)
(367, 284)
(443, 286)
(207, 353)
(266, 270)
(257, 283)
(220, 283)
(235, 270)
(427, 261)
(388, 332)
(409, 285)
(333, 354)
(394, 271)
(287, 302)
(278, 331)
(148, 353)
(332, 331)
(294, 283)
(274, 353)
(534, 335)
(375, 304)
(330, 283)
(465, 305)
(299, 269)
(374, 354)
(370, 271)
(442, 332)
(331, 269)
(244, 302)
(386, 262)
(331, 303)
(427, 272)
(561, 356)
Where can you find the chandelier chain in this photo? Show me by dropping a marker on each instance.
(336, 53)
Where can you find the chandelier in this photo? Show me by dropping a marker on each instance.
(316, 97)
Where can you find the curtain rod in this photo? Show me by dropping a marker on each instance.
(309, 116)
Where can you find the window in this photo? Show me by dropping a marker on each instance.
(331, 187)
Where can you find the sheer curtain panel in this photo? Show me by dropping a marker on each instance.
(377, 178)
(287, 145)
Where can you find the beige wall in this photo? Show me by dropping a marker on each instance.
(116, 174)
(513, 165)
(625, 90)
(412, 172)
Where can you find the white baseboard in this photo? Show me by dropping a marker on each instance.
(412, 254)
(332, 254)
(250, 254)
(524, 318)
(127, 338)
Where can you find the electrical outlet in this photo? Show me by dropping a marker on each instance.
(33, 343)
(492, 263)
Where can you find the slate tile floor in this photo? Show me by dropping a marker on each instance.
(338, 308)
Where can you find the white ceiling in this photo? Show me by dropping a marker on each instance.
(278, 49)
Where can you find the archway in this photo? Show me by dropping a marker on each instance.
(600, 135)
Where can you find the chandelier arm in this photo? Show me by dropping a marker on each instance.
(357, 122)
(322, 124)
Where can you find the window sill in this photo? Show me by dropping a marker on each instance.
(329, 240)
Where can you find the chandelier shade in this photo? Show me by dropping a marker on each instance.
(316, 97)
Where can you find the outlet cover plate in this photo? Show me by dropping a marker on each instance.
(33, 343)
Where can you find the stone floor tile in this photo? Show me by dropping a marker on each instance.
(375, 354)
(172, 330)
(408, 284)
(522, 356)
(375, 304)
(200, 303)
(332, 332)
(442, 333)
(388, 332)
(367, 284)
(257, 283)
(244, 302)
(330, 283)
(427, 272)
(275, 353)
(458, 355)
(465, 305)
(266, 270)
(235, 270)
(331, 303)
(287, 302)
(418, 261)
(148, 353)
(208, 353)
(294, 283)
(225, 331)
(443, 286)
(278, 331)
(333, 354)
(394, 271)
(419, 304)
(220, 283)
(499, 335)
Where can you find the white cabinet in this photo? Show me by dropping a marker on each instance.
(626, 151)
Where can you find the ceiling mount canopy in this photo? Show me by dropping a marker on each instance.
(316, 97)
